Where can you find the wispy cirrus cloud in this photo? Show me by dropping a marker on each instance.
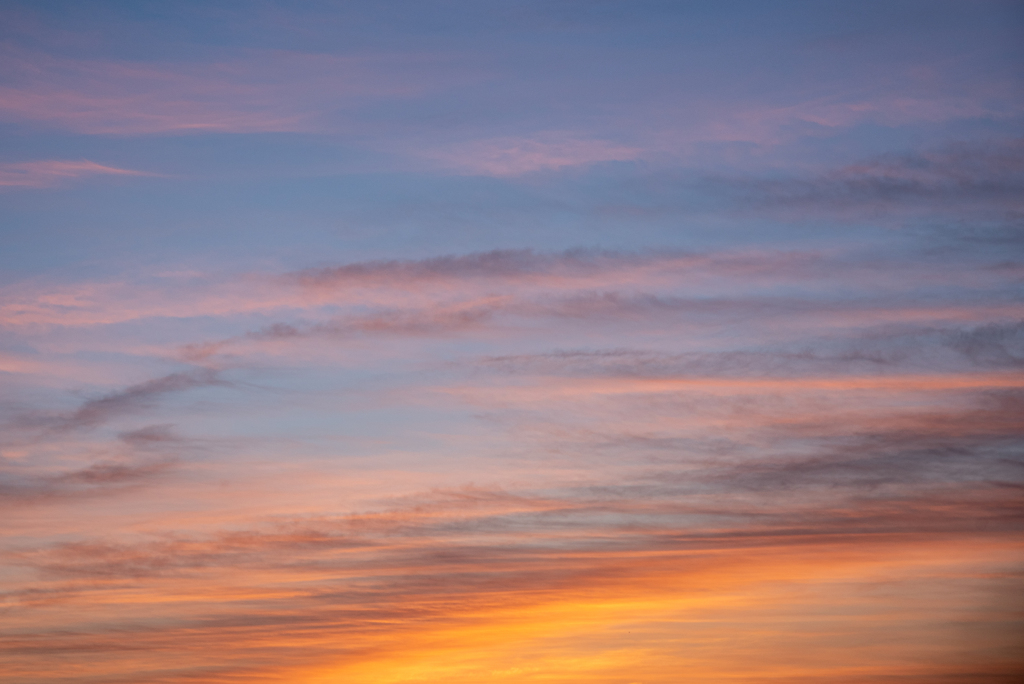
(977, 179)
(21, 486)
(583, 313)
(573, 282)
(50, 173)
(43, 457)
(770, 126)
(952, 348)
(387, 284)
(260, 92)
(138, 458)
(510, 156)
(96, 411)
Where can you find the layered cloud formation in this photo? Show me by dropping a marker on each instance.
(518, 464)
(618, 343)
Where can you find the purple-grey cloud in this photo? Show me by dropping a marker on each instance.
(964, 180)
(141, 457)
(131, 400)
(888, 349)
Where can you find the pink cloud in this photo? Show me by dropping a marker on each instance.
(767, 125)
(887, 110)
(265, 91)
(876, 96)
(44, 174)
(576, 284)
(515, 156)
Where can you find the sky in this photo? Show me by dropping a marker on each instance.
(561, 342)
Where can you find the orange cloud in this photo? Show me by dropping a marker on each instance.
(370, 600)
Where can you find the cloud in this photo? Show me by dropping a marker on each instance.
(570, 466)
(502, 264)
(600, 277)
(102, 478)
(45, 174)
(824, 514)
(94, 412)
(724, 432)
(262, 91)
(141, 458)
(864, 476)
(517, 156)
(931, 455)
(888, 349)
(360, 284)
(976, 178)
(584, 311)
(477, 567)
(441, 321)
(772, 125)
(487, 535)
(149, 437)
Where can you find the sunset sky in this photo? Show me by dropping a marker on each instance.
(526, 342)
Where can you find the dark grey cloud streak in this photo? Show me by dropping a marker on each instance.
(974, 179)
(137, 457)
